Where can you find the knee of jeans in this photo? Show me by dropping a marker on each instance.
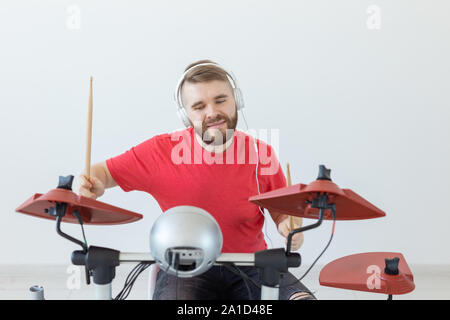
(302, 295)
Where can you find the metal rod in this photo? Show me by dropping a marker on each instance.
(269, 293)
(65, 235)
(305, 228)
(103, 291)
(240, 259)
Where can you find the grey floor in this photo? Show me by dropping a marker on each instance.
(432, 282)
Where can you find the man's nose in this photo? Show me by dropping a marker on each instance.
(211, 111)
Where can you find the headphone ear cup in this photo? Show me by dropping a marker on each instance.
(184, 117)
(239, 99)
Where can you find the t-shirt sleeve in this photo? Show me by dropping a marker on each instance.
(136, 168)
(270, 171)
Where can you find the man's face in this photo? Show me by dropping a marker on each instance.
(211, 109)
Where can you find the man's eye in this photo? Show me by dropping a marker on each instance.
(220, 101)
(198, 108)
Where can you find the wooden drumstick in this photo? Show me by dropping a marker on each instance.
(289, 183)
(288, 173)
(87, 170)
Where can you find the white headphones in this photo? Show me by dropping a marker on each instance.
(181, 111)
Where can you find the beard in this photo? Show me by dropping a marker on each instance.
(217, 136)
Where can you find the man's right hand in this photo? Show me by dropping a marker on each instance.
(91, 188)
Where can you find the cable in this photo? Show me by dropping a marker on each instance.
(312, 265)
(129, 282)
(78, 216)
(323, 251)
(228, 265)
(244, 276)
(246, 285)
(143, 267)
(84, 236)
(256, 177)
(176, 263)
(131, 279)
(176, 285)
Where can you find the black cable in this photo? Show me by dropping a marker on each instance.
(84, 236)
(229, 266)
(246, 284)
(244, 276)
(78, 216)
(176, 285)
(238, 272)
(128, 281)
(176, 263)
(131, 279)
(326, 247)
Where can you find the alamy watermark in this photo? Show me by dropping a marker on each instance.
(74, 279)
(73, 21)
(373, 21)
(244, 149)
(374, 280)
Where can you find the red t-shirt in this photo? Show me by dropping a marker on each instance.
(177, 171)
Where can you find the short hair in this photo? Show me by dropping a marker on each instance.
(204, 73)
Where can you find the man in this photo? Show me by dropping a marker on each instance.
(213, 166)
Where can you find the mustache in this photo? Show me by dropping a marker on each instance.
(217, 119)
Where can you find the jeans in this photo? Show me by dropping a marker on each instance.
(220, 283)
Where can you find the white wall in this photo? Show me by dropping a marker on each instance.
(373, 105)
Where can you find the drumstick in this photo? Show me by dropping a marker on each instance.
(87, 170)
(289, 183)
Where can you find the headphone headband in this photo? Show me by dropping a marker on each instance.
(229, 74)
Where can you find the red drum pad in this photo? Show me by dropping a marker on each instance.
(292, 200)
(367, 272)
(92, 211)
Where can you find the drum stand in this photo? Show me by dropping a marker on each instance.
(100, 263)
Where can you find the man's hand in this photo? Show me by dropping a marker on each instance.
(92, 188)
(284, 228)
